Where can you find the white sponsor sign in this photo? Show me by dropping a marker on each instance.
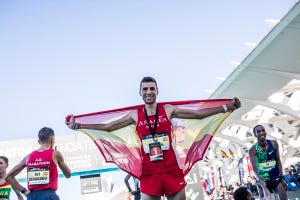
(79, 151)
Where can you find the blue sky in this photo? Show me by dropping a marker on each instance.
(61, 57)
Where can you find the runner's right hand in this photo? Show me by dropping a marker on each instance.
(70, 121)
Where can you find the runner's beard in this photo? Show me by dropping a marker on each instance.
(151, 102)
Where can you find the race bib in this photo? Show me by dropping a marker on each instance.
(38, 176)
(267, 165)
(162, 138)
(156, 152)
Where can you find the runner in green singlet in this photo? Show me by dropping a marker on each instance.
(266, 164)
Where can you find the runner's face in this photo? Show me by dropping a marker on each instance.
(3, 165)
(148, 92)
(261, 133)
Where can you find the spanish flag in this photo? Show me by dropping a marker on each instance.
(122, 146)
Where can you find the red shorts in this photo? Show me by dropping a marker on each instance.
(162, 184)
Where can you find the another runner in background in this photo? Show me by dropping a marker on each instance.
(266, 164)
(5, 187)
(136, 192)
(41, 166)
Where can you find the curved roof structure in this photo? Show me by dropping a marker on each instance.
(267, 82)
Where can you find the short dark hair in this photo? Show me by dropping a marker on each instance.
(254, 129)
(147, 79)
(45, 133)
(242, 193)
(5, 159)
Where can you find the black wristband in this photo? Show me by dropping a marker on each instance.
(76, 126)
(24, 190)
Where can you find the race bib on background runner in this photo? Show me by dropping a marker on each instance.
(268, 165)
(37, 176)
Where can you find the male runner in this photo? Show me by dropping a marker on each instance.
(161, 171)
(266, 164)
(41, 166)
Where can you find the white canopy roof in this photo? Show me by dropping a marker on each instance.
(268, 84)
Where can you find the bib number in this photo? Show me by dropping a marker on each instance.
(38, 176)
(156, 152)
(268, 165)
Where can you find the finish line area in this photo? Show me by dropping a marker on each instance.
(92, 178)
(109, 184)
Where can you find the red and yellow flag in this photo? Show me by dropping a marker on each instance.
(191, 136)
